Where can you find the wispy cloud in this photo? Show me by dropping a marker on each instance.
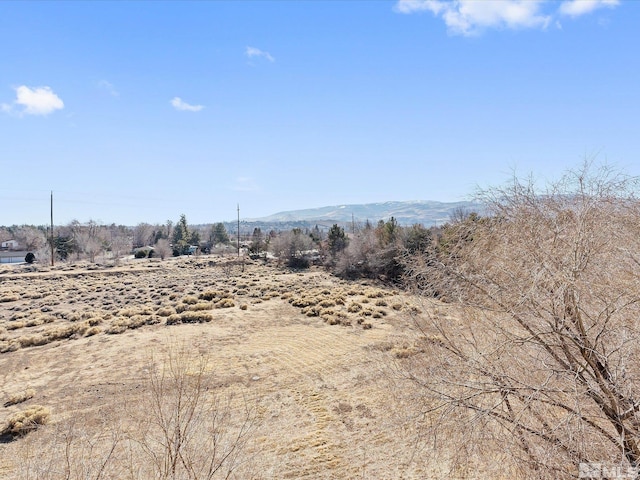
(252, 52)
(108, 87)
(575, 8)
(413, 6)
(472, 17)
(33, 101)
(179, 104)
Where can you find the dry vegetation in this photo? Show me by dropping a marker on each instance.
(515, 357)
(53, 304)
(535, 359)
(285, 372)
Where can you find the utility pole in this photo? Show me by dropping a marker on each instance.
(52, 247)
(238, 230)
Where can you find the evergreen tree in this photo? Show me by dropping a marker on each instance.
(417, 239)
(336, 239)
(218, 234)
(316, 235)
(194, 238)
(257, 241)
(181, 237)
(387, 232)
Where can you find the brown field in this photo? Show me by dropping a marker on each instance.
(308, 359)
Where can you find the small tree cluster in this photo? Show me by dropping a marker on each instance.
(293, 248)
(377, 252)
(258, 242)
(90, 240)
(183, 237)
(218, 235)
(337, 241)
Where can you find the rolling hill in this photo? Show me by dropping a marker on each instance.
(428, 213)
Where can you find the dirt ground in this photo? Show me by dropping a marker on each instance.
(315, 355)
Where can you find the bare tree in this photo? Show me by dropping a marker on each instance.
(143, 235)
(291, 246)
(187, 431)
(541, 346)
(73, 230)
(91, 246)
(43, 255)
(91, 238)
(5, 234)
(162, 248)
(354, 260)
(459, 214)
(30, 238)
(120, 244)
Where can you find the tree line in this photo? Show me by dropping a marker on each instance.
(368, 251)
(95, 242)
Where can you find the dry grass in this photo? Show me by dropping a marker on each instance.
(20, 397)
(9, 296)
(297, 349)
(26, 421)
(189, 317)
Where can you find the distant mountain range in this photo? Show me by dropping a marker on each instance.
(428, 213)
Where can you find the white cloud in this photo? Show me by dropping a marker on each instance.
(412, 6)
(108, 87)
(34, 101)
(179, 104)
(575, 8)
(256, 52)
(471, 17)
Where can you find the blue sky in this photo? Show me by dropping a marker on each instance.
(141, 111)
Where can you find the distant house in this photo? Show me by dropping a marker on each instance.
(12, 256)
(10, 245)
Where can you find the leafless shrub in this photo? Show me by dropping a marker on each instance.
(162, 248)
(541, 348)
(186, 431)
(176, 426)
